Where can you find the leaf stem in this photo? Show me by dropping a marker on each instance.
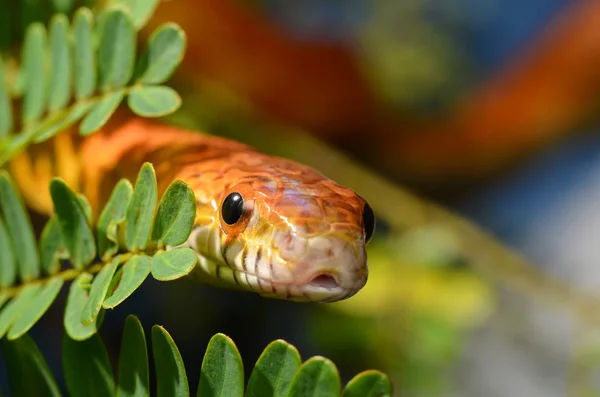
(67, 274)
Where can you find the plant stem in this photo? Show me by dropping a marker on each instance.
(67, 274)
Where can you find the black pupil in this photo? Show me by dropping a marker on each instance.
(233, 208)
(368, 222)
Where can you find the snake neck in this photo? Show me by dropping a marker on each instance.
(93, 165)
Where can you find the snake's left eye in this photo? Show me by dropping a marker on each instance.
(368, 222)
(233, 208)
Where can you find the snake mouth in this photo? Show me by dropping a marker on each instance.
(324, 281)
(322, 287)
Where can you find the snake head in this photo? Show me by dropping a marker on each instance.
(293, 235)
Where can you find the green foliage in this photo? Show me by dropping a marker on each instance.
(111, 217)
(13, 309)
(52, 248)
(76, 302)
(128, 279)
(27, 363)
(171, 265)
(73, 224)
(140, 213)
(87, 367)
(98, 292)
(274, 380)
(133, 361)
(36, 308)
(6, 119)
(164, 52)
(175, 216)
(170, 370)
(88, 371)
(141, 10)
(82, 69)
(368, 384)
(222, 370)
(116, 53)
(78, 66)
(317, 376)
(153, 101)
(69, 236)
(85, 56)
(21, 232)
(8, 260)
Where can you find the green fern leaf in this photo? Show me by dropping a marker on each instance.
(133, 361)
(173, 264)
(19, 225)
(128, 279)
(88, 372)
(165, 50)
(38, 306)
(98, 292)
(87, 369)
(52, 247)
(63, 6)
(153, 101)
(8, 260)
(116, 55)
(28, 372)
(68, 236)
(111, 217)
(316, 377)
(140, 211)
(6, 117)
(73, 222)
(60, 54)
(175, 215)
(13, 309)
(101, 112)
(59, 79)
(85, 206)
(368, 384)
(34, 74)
(141, 10)
(171, 378)
(76, 302)
(222, 371)
(274, 370)
(85, 55)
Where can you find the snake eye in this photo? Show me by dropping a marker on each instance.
(368, 222)
(233, 208)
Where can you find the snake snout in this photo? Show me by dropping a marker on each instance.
(330, 269)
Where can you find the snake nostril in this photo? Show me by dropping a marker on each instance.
(324, 281)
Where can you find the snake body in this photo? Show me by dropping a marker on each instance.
(263, 224)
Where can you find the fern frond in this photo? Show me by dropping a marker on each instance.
(279, 371)
(82, 70)
(17, 16)
(133, 239)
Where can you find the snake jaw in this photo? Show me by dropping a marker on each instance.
(292, 262)
(326, 268)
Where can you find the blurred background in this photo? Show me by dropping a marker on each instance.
(489, 108)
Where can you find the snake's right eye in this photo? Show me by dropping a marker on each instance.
(233, 208)
(368, 222)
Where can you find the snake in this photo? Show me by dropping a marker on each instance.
(263, 224)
